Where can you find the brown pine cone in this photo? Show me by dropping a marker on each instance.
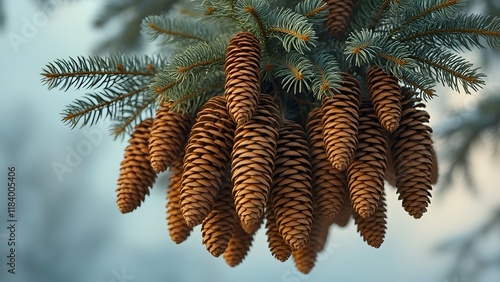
(242, 68)
(136, 173)
(346, 213)
(435, 168)
(373, 228)
(291, 193)
(238, 246)
(177, 227)
(411, 146)
(385, 94)
(305, 258)
(340, 123)
(367, 171)
(278, 247)
(339, 16)
(252, 228)
(218, 227)
(207, 155)
(329, 184)
(252, 161)
(168, 137)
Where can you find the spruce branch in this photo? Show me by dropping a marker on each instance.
(327, 75)
(315, 11)
(461, 31)
(175, 30)
(95, 72)
(296, 72)
(131, 114)
(293, 30)
(252, 15)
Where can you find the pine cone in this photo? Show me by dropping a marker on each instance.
(339, 16)
(340, 123)
(252, 228)
(168, 137)
(242, 68)
(136, 173)
(435, 169)
(252, 160)
(207, 155)
(367, 171)
(305, 258)
(278, 247)
(177, 227)
(373, 228)
(411, 146)
(218, 227)
(385, 94)
(343, 218)
(238, 246)
(329, 184)
(291, 192)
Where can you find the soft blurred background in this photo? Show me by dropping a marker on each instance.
(69, 228)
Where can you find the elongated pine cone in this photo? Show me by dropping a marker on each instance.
(252, 161)
(339, 16)
(136, 173)
(329, 184)
(168, 137)
(242, 68)
(291, 194)
(278, 247)
(340, 122)
(386, 97)
(238, 246)
(367, 171)
(218, 227)
(177, 227)
(305, 258)
(412, 153)
(207, 157)
(372, 228)
(346, 213)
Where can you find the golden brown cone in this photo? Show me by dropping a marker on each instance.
(367, 171)
(339, 16)
(218, 227)
(346, 213)
(291, 193)
(372, 229)
(278, 247)
(238, 246)
(252, 161)
(207, 157)
(242, 68)
(411, 146)
(329, 184)
(177, 227)
(340, 123)
(386, 97)
(305, 258)
(136, 173)
(168, 137)
(252, 228)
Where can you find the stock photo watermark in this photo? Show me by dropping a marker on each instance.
(31, 26)
(11, 222)
(121, 276)
(74, 155)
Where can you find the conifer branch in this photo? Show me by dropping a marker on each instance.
(173, 29)
(293, 30)
(315, 11)
(378, 16)
(127, 122)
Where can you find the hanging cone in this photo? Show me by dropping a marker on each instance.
(291, 192)
(168, 137)
(411, 146)
(340, 123)
(177, 227)
(305, 258)
(136, 173)
(435, 170)
(252, 161)
(218, 227)
(278, 247)
(252, 228)
(385, 94)
(242, 68)
(238, 246)
(390, 175)
(346, 213)
(329, 184)
(366, 173)
(339, 16)
(373, 228)
(207, 155)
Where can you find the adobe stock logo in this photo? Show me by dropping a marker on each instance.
(74, 156)
(31, 26)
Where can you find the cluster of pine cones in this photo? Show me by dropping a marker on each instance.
(240, 161)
